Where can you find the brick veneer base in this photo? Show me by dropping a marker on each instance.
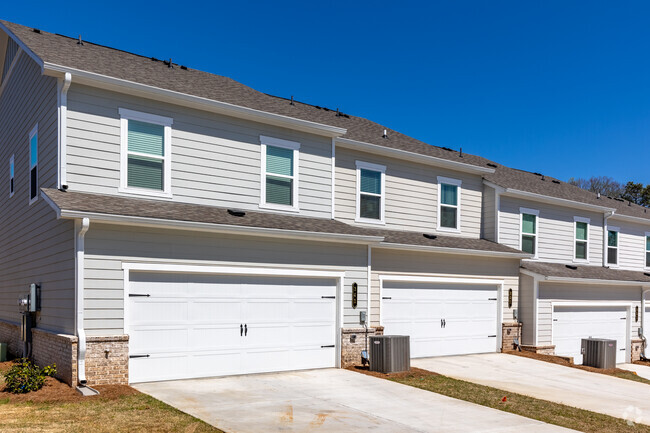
(10, 334)
(353, 341)
(510, 332)
(60, 349)
(107, 360)
(544, 350)
(637, 349)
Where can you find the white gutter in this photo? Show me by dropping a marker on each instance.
(63, 87)
(451, 250)
(572, 280)
(555, 200)
(173, 97)
(633, 219)
(411, 156)
(81, 227)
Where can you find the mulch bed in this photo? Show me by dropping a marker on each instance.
(640, 362)
(563, 361)
(55, 391)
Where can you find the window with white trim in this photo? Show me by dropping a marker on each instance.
(612, 245)
(371, 181)
(581, 239)
(146, 153)
(449, 204)
(279, 173)
(11, 176)
(647, 249)
(33, 165)
(528, 230)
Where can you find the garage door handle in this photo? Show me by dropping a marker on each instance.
(138, 295)
(386, 297)
(623, 349)
(139, 356)
(492, 336)
(328, 297)
(330, 345)
(245, 330)
(241, 330)
(492, 299)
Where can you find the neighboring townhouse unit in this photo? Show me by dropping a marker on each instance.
(589, 272)
(180, 224)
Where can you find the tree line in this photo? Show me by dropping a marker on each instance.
(636, 193)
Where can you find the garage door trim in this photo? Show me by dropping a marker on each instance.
(243, 271)
(628, 313)
(448, 280)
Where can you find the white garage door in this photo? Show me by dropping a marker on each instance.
(572, 324)
(441, 319)
(186, 326)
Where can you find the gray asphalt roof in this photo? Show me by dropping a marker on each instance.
(166, 210)
(584, 272)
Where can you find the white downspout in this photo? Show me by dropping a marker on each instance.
(64, 86)
(81, 227)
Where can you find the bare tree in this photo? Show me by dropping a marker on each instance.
(602, 184)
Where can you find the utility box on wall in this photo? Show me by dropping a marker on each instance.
(599, 352)
(390, 353)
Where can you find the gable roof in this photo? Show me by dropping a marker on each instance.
(116, 209)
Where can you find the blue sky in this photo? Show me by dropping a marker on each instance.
(560, 88)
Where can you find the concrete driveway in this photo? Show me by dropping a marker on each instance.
(330, 400)
(642, 370)
(596, 392)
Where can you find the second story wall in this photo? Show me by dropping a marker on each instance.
(411, 194)
(631, 244)
(555, 230)
(215, 160)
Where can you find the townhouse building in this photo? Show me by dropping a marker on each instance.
(180, 224)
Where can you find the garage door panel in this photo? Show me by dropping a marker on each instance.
(287, 320)
(572, 324)
(441, 319)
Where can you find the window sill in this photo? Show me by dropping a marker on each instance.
(448, 230)
(279, 207)
(581, 261)
(145, 193)
(369, 221)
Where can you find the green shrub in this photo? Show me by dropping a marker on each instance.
(25, 377)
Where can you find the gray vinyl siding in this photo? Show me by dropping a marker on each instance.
(526, 311)
(411, 193)
(10, 53)
(554, 293)
(215, 159)
(109, 246)
(555, 232)
(412, 263)
(488, 213)
(631, 244)
(34, 246)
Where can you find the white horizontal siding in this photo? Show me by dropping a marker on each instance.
(555, 232)
(631, 244)
(395, 262)
(411, 193)
(215, 159)
(34, 246)
(108, 247)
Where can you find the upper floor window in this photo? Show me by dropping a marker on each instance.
(612, 245)
(528, 243)
(33, 165)
(647, 249)
(448, 204)
(581, 249)
(146, 153)
(11, 176)
(279, 174)
(370, 192)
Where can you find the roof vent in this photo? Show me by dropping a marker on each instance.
(80, 42)
(489, 164)
(448, 149)
(543, 178)
(385, 134)
(571, 267)
(538, 174)
(292, 100)
(429, 236)
(184, 68)
(629, 203)
(555, 181)
(338, 113)
(647, 274)
(237, 212)
(598, 195)
(36, 31)
(461, 152)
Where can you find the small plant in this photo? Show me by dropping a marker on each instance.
(25, 377)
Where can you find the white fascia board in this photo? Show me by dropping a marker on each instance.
(508, 192)
(456, 251)
(219, 228)
(178, 98)
(22, 45)
(631, 219)
(411, 156)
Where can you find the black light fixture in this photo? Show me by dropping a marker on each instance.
(509, 298)
(355, 294)
(636, 313)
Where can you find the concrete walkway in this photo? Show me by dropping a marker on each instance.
(596, 392)
(642, 370)
(330, 400)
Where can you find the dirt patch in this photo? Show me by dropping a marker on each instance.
(55, 391)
